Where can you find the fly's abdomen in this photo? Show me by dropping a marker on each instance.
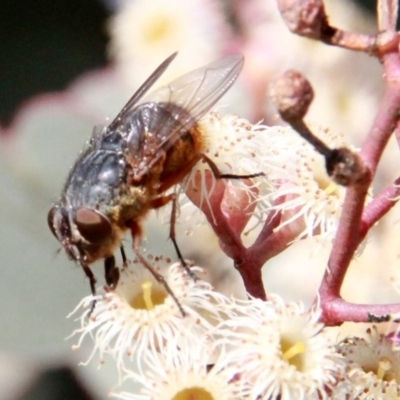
(152, 129)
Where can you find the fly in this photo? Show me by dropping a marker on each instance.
(127, 168)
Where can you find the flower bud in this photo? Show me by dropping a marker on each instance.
(304, 17)
(291, 94)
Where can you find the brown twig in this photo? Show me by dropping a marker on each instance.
(308, 18)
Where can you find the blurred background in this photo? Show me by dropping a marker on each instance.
(58, 78)
(46, 44)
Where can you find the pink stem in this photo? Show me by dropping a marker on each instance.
(379, 206)
(245, 261)
(338, 310)
(345, 244)
(352, 228)
(388, 115)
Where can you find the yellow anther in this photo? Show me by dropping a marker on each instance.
(331, 188)
(383, 367)
(293, 351)
(146, 287)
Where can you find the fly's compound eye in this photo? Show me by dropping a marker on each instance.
(92, 225)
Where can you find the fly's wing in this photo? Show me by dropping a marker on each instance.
(195, 93)
(198, 90)
(141, 91)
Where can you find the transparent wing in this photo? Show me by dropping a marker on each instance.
(133, 101)
(194, 93)
(198, 90)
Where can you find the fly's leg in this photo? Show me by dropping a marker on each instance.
(123, 255)
(173, 238)
(160, 202)
(217, 174)
(111, 272)
(158, 277)
(92, 281)
(163, 200)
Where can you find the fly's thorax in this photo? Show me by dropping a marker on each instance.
(97, 178)
(82, 222)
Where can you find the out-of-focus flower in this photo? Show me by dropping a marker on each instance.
(143, 33)
(372, 367)
(140, 315)
(281, 351)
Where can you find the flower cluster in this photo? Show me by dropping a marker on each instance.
(228, 349)
(221, 349)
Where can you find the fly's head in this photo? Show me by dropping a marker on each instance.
(85, 234)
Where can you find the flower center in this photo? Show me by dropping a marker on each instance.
(384, 370)
(148, 298)
(292, 353)
(193, 393)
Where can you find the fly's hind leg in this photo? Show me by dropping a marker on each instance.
(160, 202)
(217, 174)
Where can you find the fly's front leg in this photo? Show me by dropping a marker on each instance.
(123, 255)
(111, 272)
(160, 202)
(92, 281)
